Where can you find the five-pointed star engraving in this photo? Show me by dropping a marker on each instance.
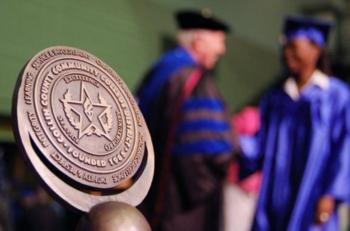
(91, 115)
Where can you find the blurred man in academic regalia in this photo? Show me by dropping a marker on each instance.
(190, 128)
(304, 141)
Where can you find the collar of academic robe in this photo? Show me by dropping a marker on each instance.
(318, 78)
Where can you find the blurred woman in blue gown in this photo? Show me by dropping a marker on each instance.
(304, 142)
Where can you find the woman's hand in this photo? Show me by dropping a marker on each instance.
(324, 209)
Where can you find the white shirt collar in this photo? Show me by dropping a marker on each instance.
(318, 78)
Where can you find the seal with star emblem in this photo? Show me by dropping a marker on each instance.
(81, 129)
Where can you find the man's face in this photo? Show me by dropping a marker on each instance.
(209, 46)
(299, 54)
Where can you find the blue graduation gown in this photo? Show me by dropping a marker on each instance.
(304, 153)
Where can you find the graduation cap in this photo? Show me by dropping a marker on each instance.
(194, 19)
(316, 30)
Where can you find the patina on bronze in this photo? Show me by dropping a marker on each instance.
(81, 129)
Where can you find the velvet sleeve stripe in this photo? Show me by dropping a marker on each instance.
(203, 103)
(202, 125)
(204, 147)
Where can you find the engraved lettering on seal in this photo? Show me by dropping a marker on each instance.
(28, 88)
(38, 132)
(83, 117)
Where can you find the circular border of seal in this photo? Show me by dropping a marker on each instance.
(48, 84)
(75, 197)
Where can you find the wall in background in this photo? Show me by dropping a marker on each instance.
(130, 35)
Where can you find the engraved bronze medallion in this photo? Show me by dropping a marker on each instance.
(81, 129)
